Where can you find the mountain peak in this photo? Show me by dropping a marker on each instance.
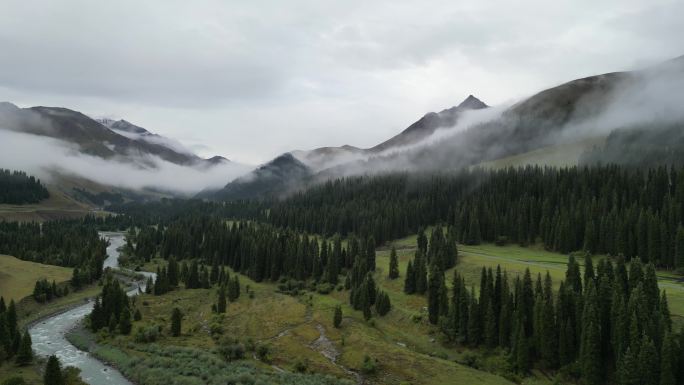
(472, 103)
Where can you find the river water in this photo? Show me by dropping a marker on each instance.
(48, 335)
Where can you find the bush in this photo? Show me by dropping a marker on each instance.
(146, 334)
(324, 288)
(16, 380)
(231, 349)
(263, 352)
(301, 366)
(369, 365)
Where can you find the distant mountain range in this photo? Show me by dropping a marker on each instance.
(107, 139)
(635, 106)
(629, 115)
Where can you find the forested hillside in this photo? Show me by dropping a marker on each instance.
(16, 187)
(69, 243)
(604, 210)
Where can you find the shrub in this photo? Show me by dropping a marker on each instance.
(263, 352)
(301, 366)
(324, 288)
(369, 365)
(231, 349)
(146, 334)
(16, 380)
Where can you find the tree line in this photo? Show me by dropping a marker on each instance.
(69, 243)
(16, 187)
(603, 209)
(14, 345)
(609, 324)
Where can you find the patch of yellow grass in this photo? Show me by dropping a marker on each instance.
(18, 278)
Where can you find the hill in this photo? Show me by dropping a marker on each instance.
(17, 277)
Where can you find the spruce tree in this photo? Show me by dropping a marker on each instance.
(125, 322)
(679, 248)
(410, 279)
(393, 264)
(629, 371)
(53, 372)
(176, 317)
(221, 302)
(25, 353)
(667, 361)
(435, 283)
(337, 317)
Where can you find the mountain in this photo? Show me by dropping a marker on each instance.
(137, 157)
(429, 123)
(636, 110)
(119, 140)
(287, 171)
(273, 179)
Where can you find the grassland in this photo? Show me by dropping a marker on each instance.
(59, 205)
(298, 329)
(561, 155)
(18, 278)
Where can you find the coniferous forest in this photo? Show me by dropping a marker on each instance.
(16, 187)
(604, 209)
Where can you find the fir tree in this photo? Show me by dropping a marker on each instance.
(25, 353)
(393, 264)
(337, 317)
(53, 372)
(176, 317)
(410, 279)
(125, 322)
(221, 302)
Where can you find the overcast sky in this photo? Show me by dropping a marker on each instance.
(252, 79)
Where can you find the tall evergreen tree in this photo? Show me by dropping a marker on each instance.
(25, 353)
(176, 319)
(337, 317)
(53, 372)
(393, 264)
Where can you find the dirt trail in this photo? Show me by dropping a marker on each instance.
(325, 347)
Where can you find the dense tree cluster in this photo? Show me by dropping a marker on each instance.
(18, 188)
(45, 291)
(112, 309)
(70, 243)
(604, 209)
(10, 336)
(612, 324)
(169, 210)
(259, 251)
(13, 344)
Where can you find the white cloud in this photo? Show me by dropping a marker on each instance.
(253, 79)
(39, 155)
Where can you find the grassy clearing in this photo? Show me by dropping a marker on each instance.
(407, 351)
(31, 374)
(515, 259)
(58, 205)
(557, 156)
(18, 278)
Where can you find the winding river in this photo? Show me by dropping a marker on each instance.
(48, 335)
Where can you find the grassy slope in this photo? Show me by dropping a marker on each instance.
(58, 205)
(558, 155)
(18, 278)
(290, 325)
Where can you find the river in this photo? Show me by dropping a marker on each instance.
(48, 335)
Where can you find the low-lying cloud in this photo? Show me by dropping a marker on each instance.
(43, 156)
